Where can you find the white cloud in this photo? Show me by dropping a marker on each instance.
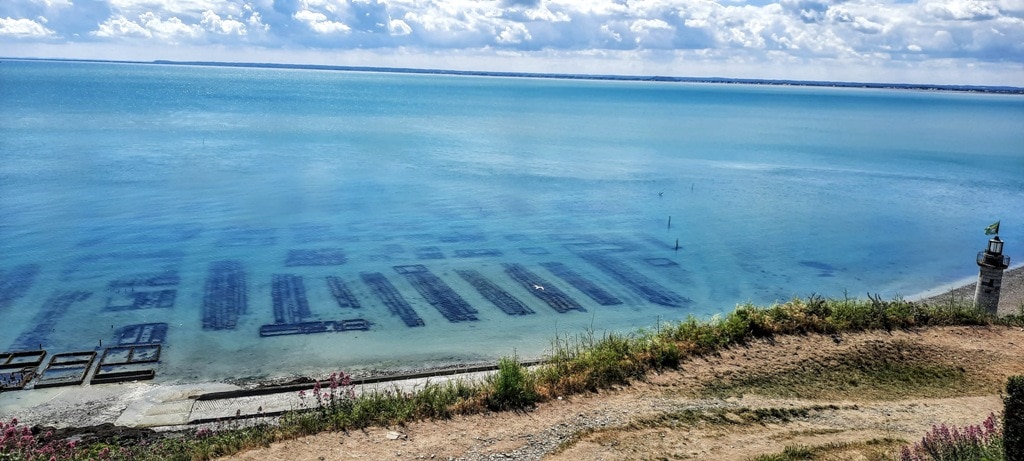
(514, 33)
(963, 9)
(229, 26)
(399, 27)
(546, 15)
(24, 28)
(723, 32)
(56, 3)
(255, 19)
(609, 31)
(174, 8)
(654, 33)
(171, 30)
(121, 26)
(319, 23)
(149, 25)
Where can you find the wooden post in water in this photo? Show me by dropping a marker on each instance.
(677, 244)
(669, 222)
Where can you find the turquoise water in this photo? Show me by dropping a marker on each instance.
(178, 196)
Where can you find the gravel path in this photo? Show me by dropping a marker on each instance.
(636, 422)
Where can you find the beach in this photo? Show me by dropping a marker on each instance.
(1011, 299)
(170, 407)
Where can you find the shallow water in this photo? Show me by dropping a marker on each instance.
(174, 195)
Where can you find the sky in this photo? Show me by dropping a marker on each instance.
(974, 42)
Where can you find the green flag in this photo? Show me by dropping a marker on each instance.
(992, 229)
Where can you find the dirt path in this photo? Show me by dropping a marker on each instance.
(711, 408)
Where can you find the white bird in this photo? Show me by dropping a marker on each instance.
(538, 287)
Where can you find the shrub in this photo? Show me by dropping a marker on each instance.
(18, 442)
(1013, 418)
(971, 443)
(512, 387)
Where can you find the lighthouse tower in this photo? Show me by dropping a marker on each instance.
(990, 277)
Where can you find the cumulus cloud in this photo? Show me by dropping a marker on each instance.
(963, 9)
(514, 33)
(121, 26)
(319, 22)
(24, 28)
(654, 33)
(866, 32)
(225, 26)
(149, 25)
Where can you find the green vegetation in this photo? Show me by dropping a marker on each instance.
(585, 363)
(875, 371)
(873, 450)
(1013, 418)
(970, 443)
(790, 453)
(728, 416)
(512, 387)
(993, 440)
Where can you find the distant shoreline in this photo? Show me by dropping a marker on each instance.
(565, 76)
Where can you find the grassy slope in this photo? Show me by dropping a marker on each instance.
(589, 363)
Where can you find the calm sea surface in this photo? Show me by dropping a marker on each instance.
(197, 207)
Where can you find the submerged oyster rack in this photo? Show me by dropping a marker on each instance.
(640, 284)
(246, 237)
(342, 294)
(292, 313)
(162, 299)
(429, 253)
(45, 320)
(289, 299)
(478, 253)
(438, 293)
(224, 296)
(142, 333)
(316, 257)
(16, 282)
(494, 293)
(542, 289)
(305, 328)
(391, 298)
(136, 348)
(598, 294)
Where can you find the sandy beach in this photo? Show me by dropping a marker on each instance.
(1011, 299)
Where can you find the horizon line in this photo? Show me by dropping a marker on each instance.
(995, 89)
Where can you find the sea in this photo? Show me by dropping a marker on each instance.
(241, 224)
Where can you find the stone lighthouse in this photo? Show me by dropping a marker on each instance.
(990, 277)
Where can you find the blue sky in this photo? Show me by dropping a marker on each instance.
(916, 41)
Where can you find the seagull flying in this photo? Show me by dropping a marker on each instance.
(538, 287)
